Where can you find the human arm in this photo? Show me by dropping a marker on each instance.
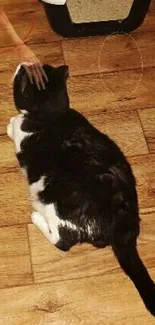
(26, 56)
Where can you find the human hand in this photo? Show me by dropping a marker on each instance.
(32, 66)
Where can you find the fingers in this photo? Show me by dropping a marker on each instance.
(29, 73)
(40, 76)
(43, 73)
(35, 76)
(35, 71)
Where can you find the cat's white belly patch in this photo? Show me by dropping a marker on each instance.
(15, 133)
(48, 212)
(37, 187)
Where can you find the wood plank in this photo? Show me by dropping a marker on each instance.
(149, 22)
(7, 109)
(16, 6)
(15, 266)
(14, 198)
(147, 216)
(152, 6)
(147, 117)
(143, 168)
(113, 92)
(123, 128)
(8, 158)
(110, 53)
(85, 301)
(17, 2)
(50, 264)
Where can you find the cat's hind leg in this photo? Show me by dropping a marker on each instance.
(68, 238)
(64, 234)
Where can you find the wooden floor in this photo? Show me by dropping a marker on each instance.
(112, 82)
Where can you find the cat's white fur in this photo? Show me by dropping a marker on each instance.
(53, 222)
(55, 2)
(15, 133)
(44, 216)
(16, 72)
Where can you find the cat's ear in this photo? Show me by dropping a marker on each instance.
(24, 82)
(63, 71)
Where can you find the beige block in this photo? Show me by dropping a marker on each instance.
(98, 10)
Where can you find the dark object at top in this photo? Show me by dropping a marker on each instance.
(60, 21)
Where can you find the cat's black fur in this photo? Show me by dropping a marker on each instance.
(88, 177)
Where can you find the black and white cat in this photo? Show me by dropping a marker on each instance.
(81, 186)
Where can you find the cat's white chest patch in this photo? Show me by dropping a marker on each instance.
(15, 133)
(35, 188)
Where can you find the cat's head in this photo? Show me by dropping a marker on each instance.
(53, 99)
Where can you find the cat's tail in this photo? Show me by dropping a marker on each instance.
(132, 265)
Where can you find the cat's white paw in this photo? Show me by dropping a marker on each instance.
(9, 130)
(39, 221)
(35, 217)
(15, 132)
(12, 119)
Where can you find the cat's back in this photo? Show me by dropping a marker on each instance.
(88, 145)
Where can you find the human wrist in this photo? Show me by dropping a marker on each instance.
(19, 44)
(7, 26)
